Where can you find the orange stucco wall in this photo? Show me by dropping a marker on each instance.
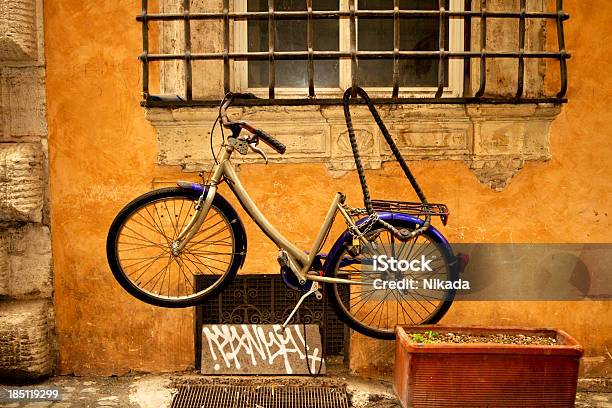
(103, 153)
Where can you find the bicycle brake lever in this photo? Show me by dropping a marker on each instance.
(257, 150)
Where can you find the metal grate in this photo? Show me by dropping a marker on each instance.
(412, 208)
(269, 396)
(470, 17)
(264, 299)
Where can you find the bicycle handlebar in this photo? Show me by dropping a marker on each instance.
(270, 141)
(260, 134)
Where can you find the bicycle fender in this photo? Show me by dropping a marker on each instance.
(188, 185)
(222, 204)
(386, 216)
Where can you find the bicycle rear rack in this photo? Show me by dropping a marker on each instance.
(411, 208)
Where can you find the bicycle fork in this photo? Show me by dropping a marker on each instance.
(202, 207)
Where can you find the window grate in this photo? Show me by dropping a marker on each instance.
(469, 17)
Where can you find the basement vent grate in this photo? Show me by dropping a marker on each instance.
(258, 396)
(264, 299)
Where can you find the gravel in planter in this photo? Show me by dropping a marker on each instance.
(433, 337)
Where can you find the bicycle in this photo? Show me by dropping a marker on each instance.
(162, 240)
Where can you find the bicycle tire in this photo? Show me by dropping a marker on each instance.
(219, 204)
(339, 252)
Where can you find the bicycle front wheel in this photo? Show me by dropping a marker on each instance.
(139, 246)
(387, 287)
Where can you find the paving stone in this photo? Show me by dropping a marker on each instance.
(155, 391)
(38, 404)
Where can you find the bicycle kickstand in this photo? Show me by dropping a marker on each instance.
(313, 289)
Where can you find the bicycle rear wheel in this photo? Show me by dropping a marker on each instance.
(373, 308)
(139, 252)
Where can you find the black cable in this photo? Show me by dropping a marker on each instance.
(383, 129)
(318, 373)
(212, 149)
(351, 133)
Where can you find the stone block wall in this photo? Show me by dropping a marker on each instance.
(26, 282)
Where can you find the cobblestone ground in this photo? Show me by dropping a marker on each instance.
(155, 391)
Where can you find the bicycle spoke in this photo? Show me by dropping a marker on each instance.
(137, 248)
(208, 266)
(185, 275)
(148, 241)
(163, 278)
(144, 226)
(160, 271)
(160, 226)
(209, 243)
(140, 262)
(157, 227)
(211, 235)
(141, 237)
(207, 257)
(404, 312)
(143, 266)
(197, 262)
(400, 297)
(174, 227)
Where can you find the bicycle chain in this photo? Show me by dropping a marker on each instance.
(357, 231)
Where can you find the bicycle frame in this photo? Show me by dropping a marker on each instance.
(298, 261)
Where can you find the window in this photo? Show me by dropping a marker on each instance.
(307, 51)
(375, 34)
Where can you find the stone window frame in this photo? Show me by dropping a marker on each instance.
(455, 66)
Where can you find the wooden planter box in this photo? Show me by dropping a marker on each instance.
(485, 375)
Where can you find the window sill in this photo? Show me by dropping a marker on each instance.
(494, 140)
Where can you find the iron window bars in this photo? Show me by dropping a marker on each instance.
(272, 55)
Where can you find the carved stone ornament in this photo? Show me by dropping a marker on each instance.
(495, 141)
